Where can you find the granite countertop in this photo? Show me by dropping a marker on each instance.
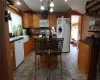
(91, 42)
(86, 42)
(15, 39)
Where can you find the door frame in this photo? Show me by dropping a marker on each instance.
(6, 72)
(79, 24)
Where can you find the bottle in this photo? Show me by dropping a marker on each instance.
(50, 35)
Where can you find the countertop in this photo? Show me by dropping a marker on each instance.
(86, 42)
(91, 42)
(15, 39)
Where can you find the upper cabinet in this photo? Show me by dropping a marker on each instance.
(36, 18)
(51, 17)
(52, 20)
(27, 20)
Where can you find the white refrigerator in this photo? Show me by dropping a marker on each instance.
(63, 31)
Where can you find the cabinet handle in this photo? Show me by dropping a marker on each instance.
(18, 41)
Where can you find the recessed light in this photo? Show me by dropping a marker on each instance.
(18, 3)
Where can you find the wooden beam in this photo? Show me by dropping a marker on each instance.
(5, 56)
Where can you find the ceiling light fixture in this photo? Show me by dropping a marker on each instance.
(18, 3)
(52, 4)
(51, 10)
(65, 0)
(42, 7)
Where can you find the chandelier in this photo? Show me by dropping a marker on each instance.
(50, 5)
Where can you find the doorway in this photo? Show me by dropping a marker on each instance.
(75, 29)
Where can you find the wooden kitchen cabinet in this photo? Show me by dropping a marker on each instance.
(35, 37)
(28, 46)
(83, 57)
(12, 50)
(87, 60)
(52, 20)
(36, 18)
(51, 17)
(27, 20)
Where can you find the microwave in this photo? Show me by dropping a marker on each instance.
(44, 23)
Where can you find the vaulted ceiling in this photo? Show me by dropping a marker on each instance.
(60, 5)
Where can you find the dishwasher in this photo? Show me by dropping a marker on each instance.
(19, 52)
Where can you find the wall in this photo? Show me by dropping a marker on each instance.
(5, 56)
(73, 12)
(59, 14)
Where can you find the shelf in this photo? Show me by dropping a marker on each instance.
(92, 4)
(93, 8)
(93, 31)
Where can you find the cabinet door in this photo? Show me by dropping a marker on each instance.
(25, 20)
(28, 46)
(52, 20)
(84, 57)
(12, 55)
(30, 20)
(36, 18)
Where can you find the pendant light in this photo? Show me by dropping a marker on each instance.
(42, 7)
(51, 10)
(51, 4)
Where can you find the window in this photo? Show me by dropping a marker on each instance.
(16, 23)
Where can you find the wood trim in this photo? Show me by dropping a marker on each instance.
(5, 58)
(73, 12)
(85, 21)
(15, 10)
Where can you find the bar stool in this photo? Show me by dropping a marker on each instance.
(47, 47)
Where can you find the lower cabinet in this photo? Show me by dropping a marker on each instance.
(87, 60)
(12, 50)
(28, 46)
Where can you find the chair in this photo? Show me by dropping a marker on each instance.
(47, 47)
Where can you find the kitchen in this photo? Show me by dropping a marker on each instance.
(28, 23)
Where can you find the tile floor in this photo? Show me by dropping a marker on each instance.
(69, 63)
